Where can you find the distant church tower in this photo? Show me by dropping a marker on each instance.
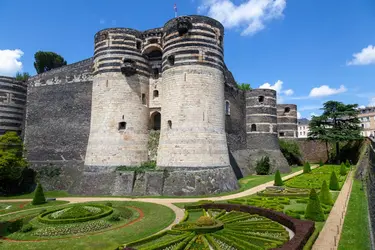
(119, 113)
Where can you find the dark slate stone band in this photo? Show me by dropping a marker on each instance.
(117, 70)
(118, 52)
(182, 45)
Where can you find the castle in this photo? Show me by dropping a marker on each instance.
(83, 121)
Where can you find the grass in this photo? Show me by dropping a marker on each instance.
(244, 183)
(156, 218)
(355, 233)
(18, 206)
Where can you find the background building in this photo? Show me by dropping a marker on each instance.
(303, 128)
(367, 118)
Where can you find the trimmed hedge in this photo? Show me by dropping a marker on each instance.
(306, 168)
(39, 196)
(278, 180)
(314, 210)
(343, 169)
(303, 229)
(325, 195)
(106, 211)
(334, 183)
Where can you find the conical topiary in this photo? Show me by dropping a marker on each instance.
(39, 196)
(314, 210)
(334, 183)
(347, 163)
(306, 168)
(325, 195)
(278, 180)
(321, 164)
(343, 169)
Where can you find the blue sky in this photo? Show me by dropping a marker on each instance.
(311, 51)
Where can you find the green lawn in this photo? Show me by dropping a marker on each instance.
(18, 206)
(355, 234)
(156, 218)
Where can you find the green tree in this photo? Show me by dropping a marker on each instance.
(244, 86)
(45, 61)
(278, 181)
(12, 162)
(263, 166)
(22, 76)
(291, 152)
(306, 168)
(343, 169)
(334, 183)
(314, 210)
(39, 195)
(325, 195)
(339, 122)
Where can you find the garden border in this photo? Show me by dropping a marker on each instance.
(303, 229)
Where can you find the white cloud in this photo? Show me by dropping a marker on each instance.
(278, 87)
(362, 107)
(325, 90)
(250, 16)
(10, 62)
(365, 57)
(299, 115)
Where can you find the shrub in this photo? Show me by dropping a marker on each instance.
(108, 204)
(26, 228)
(115, 217)
(347, 163)
(343, 169)
(321, 164)
(278, 180)
(39, 195)
(205, 221)
(263, 166)
(314, 210)
(325, 195)
(306, 168)
(291, 152)
(334, 183)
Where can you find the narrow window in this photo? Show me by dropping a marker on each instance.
(156, 93)
(171, 60)
(121, 125)
(287, 110)
(123, 117)
(153, 40)
(253, 127)
(281, 134)
(169, 124)
(144, 99)
(156, 73)
(227, 108)
(139, 45)
(261, 99)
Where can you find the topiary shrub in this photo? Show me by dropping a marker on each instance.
(347, 163)
(334, 183)
(39, 195)
(343, 169)
(205, 221)
(278, 180)
(306, 168)
(325, 195)
(314, 210)
(321, 164)
(26, 228)
(263, 166)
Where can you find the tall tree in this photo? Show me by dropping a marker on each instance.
(45, 61)
(339, 122)
(22, 76)
(244, 86)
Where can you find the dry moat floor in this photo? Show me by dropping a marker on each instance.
(163, 223)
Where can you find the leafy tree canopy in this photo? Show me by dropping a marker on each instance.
(244, 86)
(339, 122)
(22, 76)
(45, 61)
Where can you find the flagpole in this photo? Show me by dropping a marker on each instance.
(175, 10)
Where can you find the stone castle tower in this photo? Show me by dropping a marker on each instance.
(89, 124)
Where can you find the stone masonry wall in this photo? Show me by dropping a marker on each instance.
(58, 113)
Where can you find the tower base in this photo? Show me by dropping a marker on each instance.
(247, 159)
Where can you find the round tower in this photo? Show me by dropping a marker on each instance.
(13, 102)
(119, 112)
(287, 120)
(193, 124)
(261, 119)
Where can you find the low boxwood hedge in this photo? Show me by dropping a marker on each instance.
(44, 216)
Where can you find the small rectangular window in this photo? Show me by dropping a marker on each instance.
(144, 99)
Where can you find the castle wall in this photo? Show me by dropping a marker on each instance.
(119, 115)
(12, 104)
(58, 113)
(287, 120)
